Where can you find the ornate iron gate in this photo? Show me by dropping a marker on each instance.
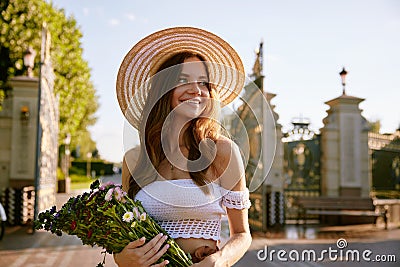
(302, 168)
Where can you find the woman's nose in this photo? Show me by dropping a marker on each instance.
(195, 88)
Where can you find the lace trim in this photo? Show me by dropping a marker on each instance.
(192, 228)
(236, 199)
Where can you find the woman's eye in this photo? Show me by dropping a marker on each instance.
(182, 80)
(203, 83)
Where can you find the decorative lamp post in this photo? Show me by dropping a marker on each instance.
(88, 166)
(29, 60)
(67, 142)
(343, 74)
(24, 114)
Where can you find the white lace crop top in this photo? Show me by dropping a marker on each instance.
(185, 211)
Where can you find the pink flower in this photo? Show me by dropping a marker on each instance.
(136, 213)
(109, 194)
(118, 193)
(103, 186)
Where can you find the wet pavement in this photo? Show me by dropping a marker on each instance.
(44, 249)
(289, 246)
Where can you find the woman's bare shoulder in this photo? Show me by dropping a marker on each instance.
(228, 164)
(129, 163)
(226, 147)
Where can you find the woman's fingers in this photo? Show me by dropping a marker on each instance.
(130, 253)
(156, 247)
(137, 243)
(144, 254)
(164, 263)
(159, 254)
(153, 246)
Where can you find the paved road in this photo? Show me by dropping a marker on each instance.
(43, 249)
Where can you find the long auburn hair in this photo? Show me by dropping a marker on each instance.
(155, 112)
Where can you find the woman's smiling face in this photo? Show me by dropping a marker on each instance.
(189, 98)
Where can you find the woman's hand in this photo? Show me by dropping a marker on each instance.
(213, 260)
(137, 253)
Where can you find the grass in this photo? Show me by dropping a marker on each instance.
(80, 181)
(80, 185)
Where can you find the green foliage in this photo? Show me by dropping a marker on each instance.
(60, 174)
(84, 143)
(2, 95)
(20, 26)
(73, 170)
(100, 167)
(375, 126)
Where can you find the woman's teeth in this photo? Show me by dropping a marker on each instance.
(192, 101)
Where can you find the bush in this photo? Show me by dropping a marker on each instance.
(99, 167)
(60, 174)
(77, 171)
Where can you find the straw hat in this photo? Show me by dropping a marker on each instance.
(142, 61)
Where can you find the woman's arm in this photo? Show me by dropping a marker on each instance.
(128, 165)
(237, 245)
(139, 253)
(230, 170)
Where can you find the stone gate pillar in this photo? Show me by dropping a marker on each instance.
(23, 131)
(344, 145)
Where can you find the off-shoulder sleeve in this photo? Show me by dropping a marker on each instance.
(236, 199)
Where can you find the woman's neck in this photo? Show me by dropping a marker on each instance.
(174, 141)
(176, 134)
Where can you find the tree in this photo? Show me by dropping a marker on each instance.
(20, 25)
(375, 126)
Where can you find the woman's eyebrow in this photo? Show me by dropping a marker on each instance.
(187, 75)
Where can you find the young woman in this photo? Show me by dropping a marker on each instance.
(187, 174)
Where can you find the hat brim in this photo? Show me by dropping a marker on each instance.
(145, 58)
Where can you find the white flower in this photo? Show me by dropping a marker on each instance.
(128, 216)
(109, 194)
(143, 216)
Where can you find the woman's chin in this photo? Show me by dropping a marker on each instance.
(189, 110)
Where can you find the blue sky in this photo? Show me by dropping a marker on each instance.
(306, 44)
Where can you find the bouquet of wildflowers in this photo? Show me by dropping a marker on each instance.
(108, 218)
